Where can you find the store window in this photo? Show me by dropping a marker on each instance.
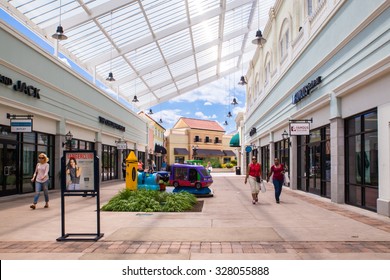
(18, 158)
(314, 171)
(361, 144)
(109, 163)
(282, 152)
(265, 160)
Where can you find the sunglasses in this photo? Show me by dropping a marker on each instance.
(41, 157)
(254, 159)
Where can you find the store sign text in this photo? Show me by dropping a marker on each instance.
(21, 87)
(305, 91)
(111, 124)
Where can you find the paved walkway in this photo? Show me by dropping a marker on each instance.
(302, 226)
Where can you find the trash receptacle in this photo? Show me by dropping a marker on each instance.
(238, 170)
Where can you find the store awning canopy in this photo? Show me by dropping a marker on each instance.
(229, 153)
(180, 151)
(158, 149)
(235, 141)
(207, 152)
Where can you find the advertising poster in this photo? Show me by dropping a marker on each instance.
(79, 171)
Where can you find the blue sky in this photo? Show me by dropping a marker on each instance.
(209, 102)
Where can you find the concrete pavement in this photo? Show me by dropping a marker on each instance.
(302, 226)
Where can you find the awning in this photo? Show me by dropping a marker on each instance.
(235, 141)
(206, 152)
(180, 151)
(158, 149)
(229, 153)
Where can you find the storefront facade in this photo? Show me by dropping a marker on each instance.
(58, 101)
(336, 84)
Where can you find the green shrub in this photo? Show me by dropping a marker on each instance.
(229, 165)
(150, 201)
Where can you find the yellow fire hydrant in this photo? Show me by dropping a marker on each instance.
(131, 171)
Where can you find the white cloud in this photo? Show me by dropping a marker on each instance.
(169, 117)
(207, 103)
(201, 115)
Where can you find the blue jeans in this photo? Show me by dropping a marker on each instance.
(38, 188)
(278, 184)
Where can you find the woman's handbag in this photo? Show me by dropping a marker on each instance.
(286, 178)
(258, 179)
(262, 187)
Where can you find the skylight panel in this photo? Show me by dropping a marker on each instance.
(228, 65)
(182, 66)
(166, 90)
(200, 7)
(206, 31)
(145, 56)
(206, 74)
(157, 77)
(164, 14)
(207, 56)
(176, 43)
(188, 81)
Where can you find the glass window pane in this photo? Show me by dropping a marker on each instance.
(315, 135)
(29, 137)
(370, 161)
(371, 121)
(354, 125)
(42, 139)
(354, 160)
(355, 195)
(371, 196)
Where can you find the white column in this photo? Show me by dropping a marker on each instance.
(99, 152)
(337, 160)
(383, 202)
(293, 165)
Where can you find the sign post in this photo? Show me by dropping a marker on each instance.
(80, 177)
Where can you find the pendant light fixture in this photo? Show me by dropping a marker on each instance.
(229, 115)
(160, 121)
(259, 40)
(242, 81)
(110, 77)
(234, 102)
(150, 111)
(135, 99)
(59, 35)
(225, 123)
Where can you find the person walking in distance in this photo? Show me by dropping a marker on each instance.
(253, 173)
(41, 178)
(277, 173)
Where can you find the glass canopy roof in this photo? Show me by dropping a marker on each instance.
(156, 49)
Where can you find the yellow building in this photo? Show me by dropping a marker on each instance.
(198, 139)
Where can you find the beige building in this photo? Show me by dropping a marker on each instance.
(198, 139)
(155, 134)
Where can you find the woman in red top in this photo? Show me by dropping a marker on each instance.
(254, 170)
(278, 178)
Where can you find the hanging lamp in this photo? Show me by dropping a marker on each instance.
(135, 99)
(259, 40)
(110, 77)
(59, 35)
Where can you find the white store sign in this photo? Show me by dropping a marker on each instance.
(21, 125)
(299, 128)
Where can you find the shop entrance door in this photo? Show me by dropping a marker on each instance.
(8, 168)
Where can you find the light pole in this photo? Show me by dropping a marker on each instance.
(194, 151)
(68, 141)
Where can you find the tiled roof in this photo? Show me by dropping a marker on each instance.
(202, 124)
